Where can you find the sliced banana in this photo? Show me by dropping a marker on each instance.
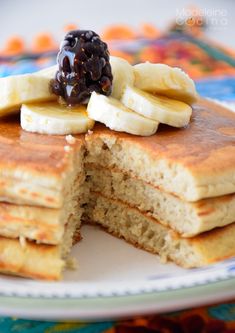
(116, 116)
(165, 80)
(123, 73)
(160, 108)
(18, 89)
(53, 118)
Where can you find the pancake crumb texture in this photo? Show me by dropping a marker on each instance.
(187, 218)
(117, 218)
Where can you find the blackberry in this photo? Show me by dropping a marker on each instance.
(83, 67)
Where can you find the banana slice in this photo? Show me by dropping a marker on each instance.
(123, 74)
(116, 116)
(18, 89)
(165, 80)
(160, 108)
(53, 118)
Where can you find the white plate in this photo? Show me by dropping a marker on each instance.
(115, 280)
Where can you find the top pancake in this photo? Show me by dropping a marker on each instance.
(193, 163)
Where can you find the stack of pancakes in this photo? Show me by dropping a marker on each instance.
(41, 193)
(172, 193)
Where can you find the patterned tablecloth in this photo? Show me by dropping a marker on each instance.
(219, 318)
(213, 69)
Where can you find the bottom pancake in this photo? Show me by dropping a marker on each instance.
(145, 232)
(31, 260)
(26, 258)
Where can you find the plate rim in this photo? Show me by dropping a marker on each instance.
(223, 271)
(116, 308)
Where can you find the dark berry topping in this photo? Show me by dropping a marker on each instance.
(83, 67)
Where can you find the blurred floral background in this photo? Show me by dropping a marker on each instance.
(198, 36)
(27, 18)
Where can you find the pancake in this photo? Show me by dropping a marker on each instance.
(45, 225)
(187, 218)
(145, 232)
(192, 163)
(36, 169)
(30, 260)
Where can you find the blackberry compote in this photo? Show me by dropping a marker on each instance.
(84, 67)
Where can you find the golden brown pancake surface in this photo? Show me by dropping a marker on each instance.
(206, 144)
